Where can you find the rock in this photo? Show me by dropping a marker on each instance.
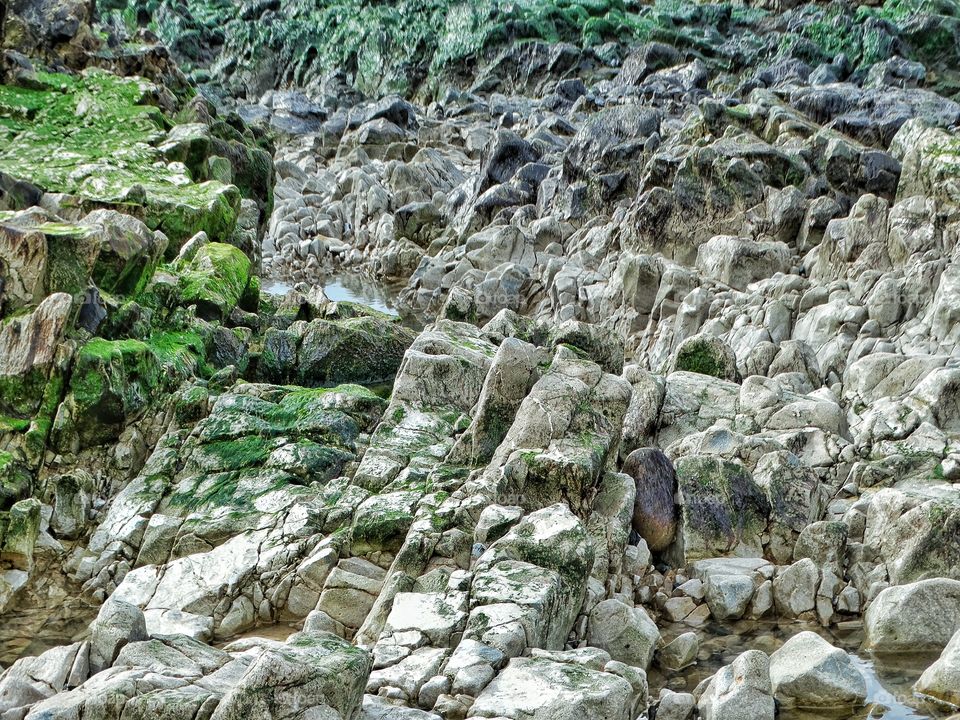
(375, 708)
(628, 634)
(722, 509)
(808, 672)
(824, 542)
(128, 251)
(728, 596)
(707, 355)
(941, 680)
(541, 689)
(429, 613)
(675, 706)
(740, 691)
(680, 652)
(495, 521)
(32, 679)
(655, 510)
(19, 533)
(737, 262)
(317, 671)
(542, 564)
(28, 344)
(795, 588)
(365, 350)
(919, 617)
(215, 280)
(117, 624)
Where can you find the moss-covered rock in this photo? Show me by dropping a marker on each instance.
(706, 355)
(19, 534)
(96, 137)
(128, 253)
(15, 480)
(111, 383)
(366, 350)
(46, 255)
(114, 381)
(28, 344)
(381, 522)
(215, 280)
(723, 511)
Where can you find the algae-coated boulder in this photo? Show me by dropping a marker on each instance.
(315, 670)
(723, 511)
(111, 383)
(18, 533)
(28, 344)
(128, 251)
(215, 280)
(707, 355)
(363, 350)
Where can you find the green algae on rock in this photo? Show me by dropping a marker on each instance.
(96, 136)
(215, 280)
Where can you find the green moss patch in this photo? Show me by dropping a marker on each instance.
(96, 137)
(114, 381)
(215, 280)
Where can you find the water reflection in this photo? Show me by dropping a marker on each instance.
(889, 679)
(353, 287)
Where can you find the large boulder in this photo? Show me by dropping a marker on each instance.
(707, 355)
(28, 345)
(655, 508)
(920, 617)
(627, 633)
(942, 679)
(541, 689)
(117, 624)
(723, 511)
(737, 262)
(740, 691)
(33, 679)
(215, 280)
(128, 251)
(366, 349)
(542, 563)
(809, 672)
(318, 671)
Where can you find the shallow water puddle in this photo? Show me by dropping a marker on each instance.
(889, 679)
(344, 288)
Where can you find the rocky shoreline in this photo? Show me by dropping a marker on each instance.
(663, 421)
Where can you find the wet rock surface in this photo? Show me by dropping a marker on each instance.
(655, 417)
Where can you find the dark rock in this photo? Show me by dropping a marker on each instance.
(655, 509)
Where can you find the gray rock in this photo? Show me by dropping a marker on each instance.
(728, 596)
(319, 671)
(795, 588)
(808, 672)
(740, 691)
(627, 633)
(941, 680)
(117, 624)
(675, 706)
(541, 689)
(680, 652)
(919, 617)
